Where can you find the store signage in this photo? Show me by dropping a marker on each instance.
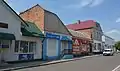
(50, 35)
(26, 56)
(4, 46)
(76, 42)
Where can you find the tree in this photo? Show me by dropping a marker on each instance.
(117, 45)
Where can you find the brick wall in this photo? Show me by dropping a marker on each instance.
(35, 15)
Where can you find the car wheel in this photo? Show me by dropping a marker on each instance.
(111, 54)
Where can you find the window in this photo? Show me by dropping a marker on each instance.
(4, 43)
(24, 46)
(64, 45)
(95, 46)
(16, 46)
(32, 45)
(3, 25)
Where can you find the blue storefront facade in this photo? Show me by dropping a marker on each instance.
(56, 46)
(51, 46)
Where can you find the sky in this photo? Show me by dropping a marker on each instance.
(106, 12)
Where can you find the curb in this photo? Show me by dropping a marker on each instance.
(48, 63)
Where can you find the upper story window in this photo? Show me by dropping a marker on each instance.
(3, 25)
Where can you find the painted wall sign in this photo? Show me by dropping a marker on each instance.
(50, 35)
(76, 42)
(26, 56)
(79, 45)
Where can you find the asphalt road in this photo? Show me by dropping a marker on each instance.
(102, 63)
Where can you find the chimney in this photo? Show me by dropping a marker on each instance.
(78, 21)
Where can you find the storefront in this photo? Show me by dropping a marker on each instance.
(80, 46)
(30, 45)
(81, 43)
(19, 40)
(66, 47)
(51, 46)
(97, 46)
(25, 49)
(27, 46)
(5, 45)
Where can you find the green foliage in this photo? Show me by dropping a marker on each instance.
(117, 45)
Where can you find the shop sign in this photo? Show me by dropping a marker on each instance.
(26, 56)
(76, 42)
(4, 46)
(50, 35)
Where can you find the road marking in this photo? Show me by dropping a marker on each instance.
(115, 69)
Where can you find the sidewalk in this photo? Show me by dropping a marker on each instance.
(38, 63)
(15, 65)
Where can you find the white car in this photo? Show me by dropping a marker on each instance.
(108, 52)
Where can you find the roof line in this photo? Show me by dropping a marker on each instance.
(60, 20)
(84, 28)
(14, 12)
(49, 12)
(30, 8)
(108, 36)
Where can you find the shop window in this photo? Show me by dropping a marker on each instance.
(3, 25)
(32, 45)
(24, 46)
(16, 46)
(95, 46)
(5, 43)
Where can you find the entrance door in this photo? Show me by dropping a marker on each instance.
(4, 49)
(51, 47)
(64, 45)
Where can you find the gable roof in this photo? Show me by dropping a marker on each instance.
(15, 13)
(32, 30)
(79, 34)
(59, 20)
(49, 12)
(31, 8)
(82, 25)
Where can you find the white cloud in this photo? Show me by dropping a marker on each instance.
(84, 3)
(114, 34)
(118, 20)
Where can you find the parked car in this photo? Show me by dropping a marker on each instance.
(108, 52)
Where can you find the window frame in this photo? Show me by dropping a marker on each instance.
(3, 25)
(19, 41)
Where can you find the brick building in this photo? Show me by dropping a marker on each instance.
(93, 29)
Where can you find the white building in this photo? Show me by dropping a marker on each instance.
(108, 42)
(16, 45)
